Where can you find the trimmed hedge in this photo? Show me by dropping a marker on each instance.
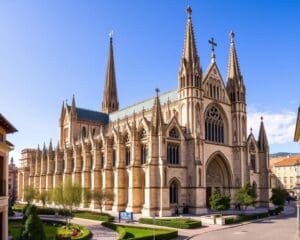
(242, 218)
(276, 211)
(124, 234)
(104, 217)
(184, 223)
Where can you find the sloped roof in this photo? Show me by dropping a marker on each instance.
(6, 125)
(288, 161)
(90, 115)
(146, 105)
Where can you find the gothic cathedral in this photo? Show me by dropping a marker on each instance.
(165, 153)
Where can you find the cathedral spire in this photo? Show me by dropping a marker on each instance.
(157, 117)
(190, 72)
(262, 137)
(73, 107)
(235, 84)
(110, 101)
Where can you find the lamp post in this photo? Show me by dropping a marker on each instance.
(297, 190)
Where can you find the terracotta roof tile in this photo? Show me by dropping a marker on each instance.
(288, 161)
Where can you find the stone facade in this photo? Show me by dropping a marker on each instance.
(164, 153)
(12, 180)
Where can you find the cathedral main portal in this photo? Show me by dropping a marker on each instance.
(218, 176)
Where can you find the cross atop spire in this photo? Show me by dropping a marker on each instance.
(213, 45)
(110, 101)
(189, 11)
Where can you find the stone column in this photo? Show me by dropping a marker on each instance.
(86, 150)
(120, 179)
(68, 155)
(58, 171)
(134, 191)
(108, 171)
(78, 167)
(96, 171)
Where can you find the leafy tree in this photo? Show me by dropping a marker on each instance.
(68, 195)
(43, 197)
(219, 201)
(278, 196)
(100, 196)
(246, 195)
(29, 194)
(87, 196)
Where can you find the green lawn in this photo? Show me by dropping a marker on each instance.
(14, 229)
(50, 228)
(132, 232)
(172, 222)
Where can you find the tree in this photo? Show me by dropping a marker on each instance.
(87, 196)
(33, 227)
(29, 194)
(246, 195)
(278, 196)
(100, 196)
(68, 195)
(219, 201)
(43, 197)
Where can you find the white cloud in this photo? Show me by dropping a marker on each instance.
(279, 126)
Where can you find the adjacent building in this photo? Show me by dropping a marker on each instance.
(163, 153)
(286, 173)
(5, 147)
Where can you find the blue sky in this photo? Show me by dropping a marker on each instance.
(50, 50)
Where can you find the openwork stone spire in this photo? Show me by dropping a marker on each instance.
(110, 101)
(190, 72)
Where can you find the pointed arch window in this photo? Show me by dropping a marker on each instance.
(81, 163)
(114, 158)
(174, 133)
(102, 160)
(144, 153)
(173, 191)
(83, 132)
(127, 156)
(72, 164)
(173, 153)
(214, 126)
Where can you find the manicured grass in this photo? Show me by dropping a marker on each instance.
(172, 222)
(51, 228)
(94, 216)
(138, 233)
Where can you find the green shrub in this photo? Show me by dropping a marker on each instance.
(278, 196)
(173, 222)
(219, 201)
(33, 229)
(104, 217)
(242, 218)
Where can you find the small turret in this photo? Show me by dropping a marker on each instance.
(263, 144)
(157, 117)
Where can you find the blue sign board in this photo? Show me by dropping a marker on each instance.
(128, 216)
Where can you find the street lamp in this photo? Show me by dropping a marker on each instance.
(297, 190)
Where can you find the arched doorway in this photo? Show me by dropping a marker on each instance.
(218, 176)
